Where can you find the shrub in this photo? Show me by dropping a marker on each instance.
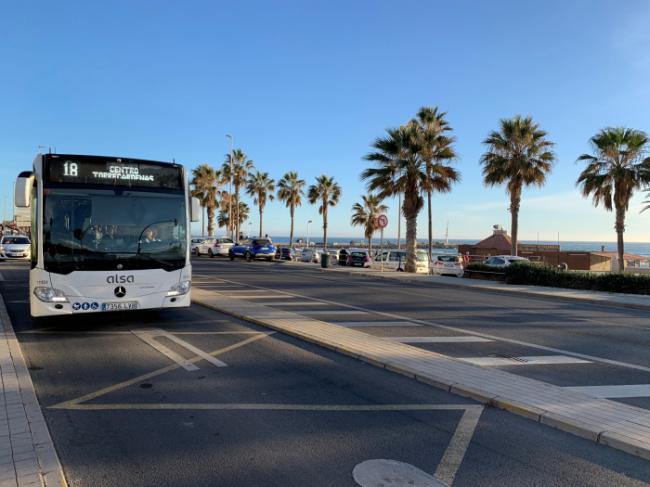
(480, 267)
(548, 276)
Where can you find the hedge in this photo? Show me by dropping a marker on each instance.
(480, 267)
(548, 276)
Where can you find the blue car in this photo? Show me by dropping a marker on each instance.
(258, 248)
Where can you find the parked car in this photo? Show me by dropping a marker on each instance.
(396, 260)
(310, 255)
(258, 248)
(221, 246)
(194, 243)
(343, 256)
(448, 265)
(286, 253)
(359, 258)
(15, 247)
(504, 260)
(202, 248)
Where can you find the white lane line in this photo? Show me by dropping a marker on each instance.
(455, 452)
(259, 296)
(292, 303)
(370, 324)
(456, 339)
(332, 312)
(531, 360)
(613, 392)
(149, 335)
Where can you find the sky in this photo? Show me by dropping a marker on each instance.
(308, 86)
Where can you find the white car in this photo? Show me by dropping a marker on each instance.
(220, 246)
(447, 265)
(195, 242)
(310, 255)
(396, 260)
(504, 260)
(15, 247)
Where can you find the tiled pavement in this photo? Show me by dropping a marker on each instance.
(27, 454)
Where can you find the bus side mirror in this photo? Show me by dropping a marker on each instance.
(195, 210)
(23, 190)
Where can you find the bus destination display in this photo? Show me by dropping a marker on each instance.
(111, 172)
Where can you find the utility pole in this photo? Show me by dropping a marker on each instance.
(231, 223)
(399, 221)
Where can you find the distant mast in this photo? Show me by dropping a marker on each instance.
(447, 235)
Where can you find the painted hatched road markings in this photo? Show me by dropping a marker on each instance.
(447, 339)
(530, 360)
(149, 336)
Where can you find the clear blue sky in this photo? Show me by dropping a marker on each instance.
(308, 85)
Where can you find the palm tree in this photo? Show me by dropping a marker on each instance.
(365, 215)
(518, 155)
(241, 165)
(327, 192)
(242, 213)
(290, 191)
(260, 187)
(436, 148)
(618, 167)
(205, 181)
(400, 169)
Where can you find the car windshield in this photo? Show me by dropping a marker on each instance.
(454, 259)
(15, 240)
(261, 241)
(358, 254)
(98, 229)
(225, 240)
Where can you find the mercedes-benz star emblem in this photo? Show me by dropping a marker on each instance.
(120, 291)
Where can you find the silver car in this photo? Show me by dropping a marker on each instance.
(15, 247)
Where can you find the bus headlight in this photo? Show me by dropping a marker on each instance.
(182, 287)
(49, 294)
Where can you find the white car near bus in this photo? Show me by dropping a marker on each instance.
(15, 247)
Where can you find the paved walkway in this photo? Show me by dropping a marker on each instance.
(634, 301)
(27, 454)
(611, 423)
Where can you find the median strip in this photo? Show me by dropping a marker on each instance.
(615, 424)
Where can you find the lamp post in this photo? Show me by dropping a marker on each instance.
(230, 222)
(308, 222)
(249, 229)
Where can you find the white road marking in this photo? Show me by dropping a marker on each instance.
(364, 324)
(613, 392)
(149, 336)
(260, 296)
(397, 316)
(453, 339)
(332, 312)
(536, 360)
(292, 303)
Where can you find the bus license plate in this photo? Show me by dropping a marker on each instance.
(120, 306)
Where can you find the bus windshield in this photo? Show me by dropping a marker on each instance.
(113, 229)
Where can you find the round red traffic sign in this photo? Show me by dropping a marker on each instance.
(382, 221)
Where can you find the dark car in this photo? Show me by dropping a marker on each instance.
(258, 248)
(286, 253)
(343, 256)
(358, 258)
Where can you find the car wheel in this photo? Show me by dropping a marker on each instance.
(248, 257)
(270, 259)
(210, 253)
(232, 256)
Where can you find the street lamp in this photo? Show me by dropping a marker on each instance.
(249, 229)
(230, 222)
(308, 222)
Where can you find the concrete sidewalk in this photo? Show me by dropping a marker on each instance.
(27, 454)
(607, 422)
(633, 301)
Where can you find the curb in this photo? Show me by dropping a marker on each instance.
(585, 430)
(505, 290)
(49, 466)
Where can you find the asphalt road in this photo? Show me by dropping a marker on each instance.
(270, 410)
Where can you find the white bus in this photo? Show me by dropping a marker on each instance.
(108, 234)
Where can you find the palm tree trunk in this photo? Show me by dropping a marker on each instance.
(236, 212)
(399, 220)
(369, 245)
(430, 223)
(210, 220)
(292, 211)
(324, 226)
(620, 244)
(202, 220)
(515, 201)
(411, 242)
(261, 211)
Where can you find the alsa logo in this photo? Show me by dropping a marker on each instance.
(117, 279)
